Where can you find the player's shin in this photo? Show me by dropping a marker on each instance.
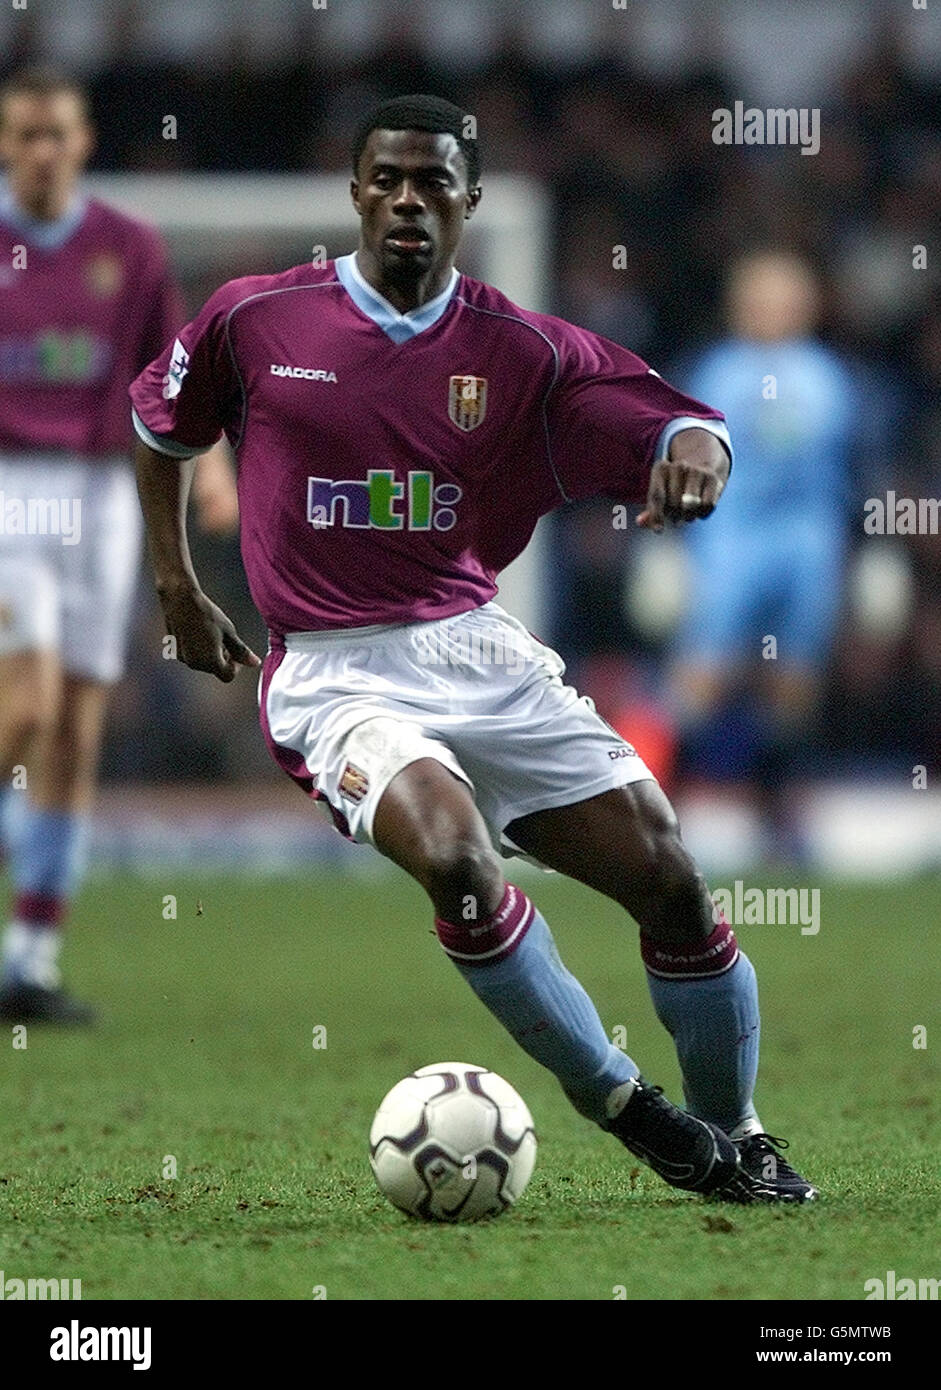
(706, 996)
(47, 862)
(511, 963)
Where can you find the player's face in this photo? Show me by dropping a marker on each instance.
(44, 144)
(413, 200)
(772, 298)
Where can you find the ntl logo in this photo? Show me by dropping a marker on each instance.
(377, 502)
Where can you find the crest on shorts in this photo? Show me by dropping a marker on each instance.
(353, 783)
(104, 275)
(467, 401)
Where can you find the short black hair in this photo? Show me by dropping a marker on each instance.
(43, 81)
(422, 112)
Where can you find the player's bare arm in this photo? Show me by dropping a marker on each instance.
(687, 484)
(206, 638)
(214, 492)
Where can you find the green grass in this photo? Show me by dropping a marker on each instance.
(205, 1053)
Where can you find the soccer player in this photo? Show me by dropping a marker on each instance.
(400, 428)
(86, 300)
(771, 564)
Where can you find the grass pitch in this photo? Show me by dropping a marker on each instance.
(205, 1061)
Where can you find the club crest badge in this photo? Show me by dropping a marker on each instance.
(104, 275)
(353, 783)
(467, 401)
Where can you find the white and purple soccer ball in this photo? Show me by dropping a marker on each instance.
(452, 1142)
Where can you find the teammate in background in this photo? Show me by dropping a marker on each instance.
(770, 566)
(400, 428)
(86, 299)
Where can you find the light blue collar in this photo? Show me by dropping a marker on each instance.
(399, 327)
(48, 236)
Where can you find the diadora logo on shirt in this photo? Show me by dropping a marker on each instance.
(381, 502)
(303, 373)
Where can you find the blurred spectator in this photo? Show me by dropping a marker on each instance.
(766, 578)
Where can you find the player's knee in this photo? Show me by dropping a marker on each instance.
(676, 906)
(464, 880)
(24, 721)
(73, 751)
(685, 914)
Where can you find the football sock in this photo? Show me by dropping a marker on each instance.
(47, 863)
(511, 963)
(12, 813)
(706, 996)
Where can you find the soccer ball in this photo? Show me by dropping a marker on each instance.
(452, 1142)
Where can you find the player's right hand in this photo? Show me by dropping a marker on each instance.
(206, 640)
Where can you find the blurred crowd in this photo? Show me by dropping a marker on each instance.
(628, 156)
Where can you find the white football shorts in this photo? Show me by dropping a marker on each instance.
(344, 711)
(70, 539)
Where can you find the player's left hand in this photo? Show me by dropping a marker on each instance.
(206, 638)
(687, 485)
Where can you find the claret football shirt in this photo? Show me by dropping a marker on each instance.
(390, 465)
(85, 302)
